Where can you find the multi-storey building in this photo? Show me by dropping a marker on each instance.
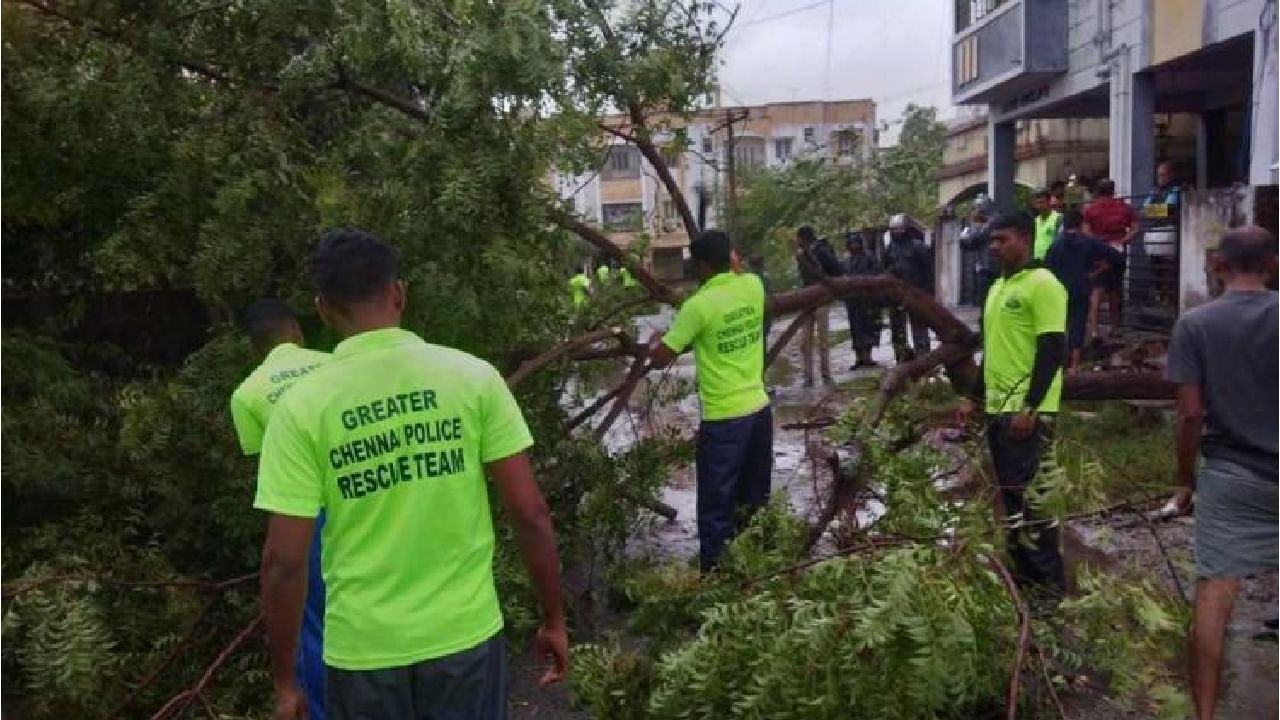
(626, 198)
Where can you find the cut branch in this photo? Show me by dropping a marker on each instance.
(182, 700)
(533, 365)
(639, 367)
(781, 343)
(1024, 637)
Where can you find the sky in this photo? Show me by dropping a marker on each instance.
(892, 51)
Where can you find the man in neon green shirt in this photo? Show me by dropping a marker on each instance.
(1048, 222)
(579, 286)
(724, 322)
(277, 338)
(392, 439)
(1024, 345)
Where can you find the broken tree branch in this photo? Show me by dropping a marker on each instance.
(798, 322)
(902, 375)
(535, 364)
(203, 585)
(182, 700)
(639, 367)
(1024, 636)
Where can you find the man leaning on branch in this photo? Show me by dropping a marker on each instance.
(277, 339)
(723, 321)
(1019, 388)
(392, 440)
(1223, 357)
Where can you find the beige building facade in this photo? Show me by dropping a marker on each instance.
(627, 200)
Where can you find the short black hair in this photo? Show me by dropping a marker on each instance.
(1057, 185)
(350, 265)
(713, 248)
(1019, 221)
(756, 263)
(1072, 218)
(267, 321)
(1042, 193)
(1106, 187)
(806, 233)
(1248, 249)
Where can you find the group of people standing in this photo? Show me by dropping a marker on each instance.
(1223, 357)
(905, 257)
(374, 459)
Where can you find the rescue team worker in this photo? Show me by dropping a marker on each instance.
(628, 282)
(814, 259)
(603, 273)
(1048, 222)
(909, 261)
(1223, 357)
(1075, 259)
(723, 321)
(392, 439)
(1019, 387)
(579, 286)
(864, 316)
(277, 339)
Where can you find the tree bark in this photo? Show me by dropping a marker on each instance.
(657, 289)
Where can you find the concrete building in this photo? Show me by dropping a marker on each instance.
(1127, 61)
(1193, 81)
(627, 200)
(1045, 150)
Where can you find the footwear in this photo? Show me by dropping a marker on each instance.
(827, 379)
(808, 382)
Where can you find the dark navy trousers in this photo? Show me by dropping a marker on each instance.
(735, 467)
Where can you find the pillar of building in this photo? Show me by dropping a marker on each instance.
(1263, 112)
(1142, 134)
(1001, 139)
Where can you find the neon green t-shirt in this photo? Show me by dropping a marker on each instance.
(578, 286)
(628, 282)
(724, 321)
(253, 401)
(1046, 230)
(1029, 303)
(602, 274)
(390, 439)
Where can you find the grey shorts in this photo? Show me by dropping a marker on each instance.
(1237, 522)
(469, 685)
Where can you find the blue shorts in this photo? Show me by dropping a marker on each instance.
(311, 641)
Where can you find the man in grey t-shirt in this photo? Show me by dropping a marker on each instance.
(1224, 359)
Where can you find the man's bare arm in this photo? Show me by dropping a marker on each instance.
(660, 356)
(1189, 424)
(284, 590)
(528, 513)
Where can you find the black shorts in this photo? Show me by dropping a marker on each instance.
(1112, 279)
(1077, 320)
(468, 685)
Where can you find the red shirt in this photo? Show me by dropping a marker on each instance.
(1109, 219)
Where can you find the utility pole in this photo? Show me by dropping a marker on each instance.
(733, 178)
(731, 204)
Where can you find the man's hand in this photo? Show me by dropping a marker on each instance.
(553, 642)
(290, 704)
(967, 412)
(1022, 425)
(1182, 500)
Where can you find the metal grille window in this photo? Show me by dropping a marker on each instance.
(782, 148)
(623, 164)
(623, 216)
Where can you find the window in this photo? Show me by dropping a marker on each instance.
(706, 144)
(966, 60)
(623, 163)
(808, 136)
(782, 148)
(847, 142)
(749, 152)
(969, 12)
(623, 216)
